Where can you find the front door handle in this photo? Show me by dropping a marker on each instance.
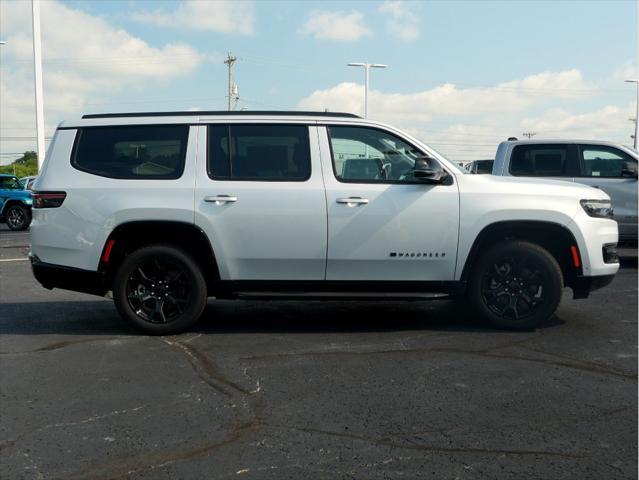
(353, 201)
(220, 199)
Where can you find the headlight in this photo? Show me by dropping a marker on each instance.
(597, 208)
(28, 201)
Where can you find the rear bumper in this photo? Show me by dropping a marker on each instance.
(68, 278)
(584, 285)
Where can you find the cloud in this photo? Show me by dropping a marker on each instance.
(335, 26)
(224, 16)
(463, 141)
(85, 59)
(401, 22)
(467, 123)
(606, 122)
(450, 100)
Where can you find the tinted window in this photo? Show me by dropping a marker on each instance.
(259, 152)
(373, 156)
(483, 166)
(539, 160)
(155, 152)
(10, 183)
(601, 161)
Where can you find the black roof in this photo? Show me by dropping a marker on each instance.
(223, 112)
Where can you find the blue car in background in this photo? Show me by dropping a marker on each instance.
(15, 203)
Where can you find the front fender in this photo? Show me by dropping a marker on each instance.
(475, 216)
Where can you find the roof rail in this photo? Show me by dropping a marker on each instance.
(223, 113)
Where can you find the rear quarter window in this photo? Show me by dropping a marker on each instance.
(132, 152)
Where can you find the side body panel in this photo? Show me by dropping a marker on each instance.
(405, 232)
(275, 230)
(533, 199)
(74, 234)
(622, 191)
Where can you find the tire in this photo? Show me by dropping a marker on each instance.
(160, 289)
(17, 217)
(515, 285)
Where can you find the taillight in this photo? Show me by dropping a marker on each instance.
(48, 199)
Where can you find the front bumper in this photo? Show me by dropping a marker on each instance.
(584, 285)
(68, 278)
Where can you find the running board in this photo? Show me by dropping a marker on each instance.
(342, 295)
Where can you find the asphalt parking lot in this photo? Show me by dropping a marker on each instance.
(366, 390)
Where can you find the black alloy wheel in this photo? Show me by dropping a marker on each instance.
(161, 289)
(516, 285)
(158, 290)
(513, 288)
(18, 217)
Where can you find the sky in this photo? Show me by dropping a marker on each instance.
(462, 75)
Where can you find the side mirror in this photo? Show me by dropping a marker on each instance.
(424, 172)
(629, 170)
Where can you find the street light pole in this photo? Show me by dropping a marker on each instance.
(37, 74)
(367, 67)
(636, 82)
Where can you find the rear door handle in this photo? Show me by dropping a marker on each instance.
(352, 201)
(220, 199)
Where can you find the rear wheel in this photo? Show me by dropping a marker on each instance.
(516, 285)
(160, 289)
(18, 217)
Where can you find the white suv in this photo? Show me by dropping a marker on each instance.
(167, 209)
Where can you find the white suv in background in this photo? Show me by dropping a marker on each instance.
(167, 209)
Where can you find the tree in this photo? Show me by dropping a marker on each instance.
(29, 155)
(25, 166)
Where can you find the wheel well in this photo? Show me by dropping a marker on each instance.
(10, 203)
(556, 239)
(131, 236)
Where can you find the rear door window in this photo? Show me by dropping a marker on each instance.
(279, 153)
(539, 160)
(132, 152)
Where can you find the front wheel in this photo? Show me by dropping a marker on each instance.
(516, 285)
(160, 289)
(18, 217)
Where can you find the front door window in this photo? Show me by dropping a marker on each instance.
(603, 161)
(368, 155)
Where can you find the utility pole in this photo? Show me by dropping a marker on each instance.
(367, 67)
(230, 60)
(636, 119)
(529, 134)
(37, 74)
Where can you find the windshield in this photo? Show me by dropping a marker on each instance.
(451, 162)
(10, 183)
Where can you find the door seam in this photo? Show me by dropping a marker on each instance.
(319, 149)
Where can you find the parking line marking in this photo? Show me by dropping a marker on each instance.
(13, 259)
